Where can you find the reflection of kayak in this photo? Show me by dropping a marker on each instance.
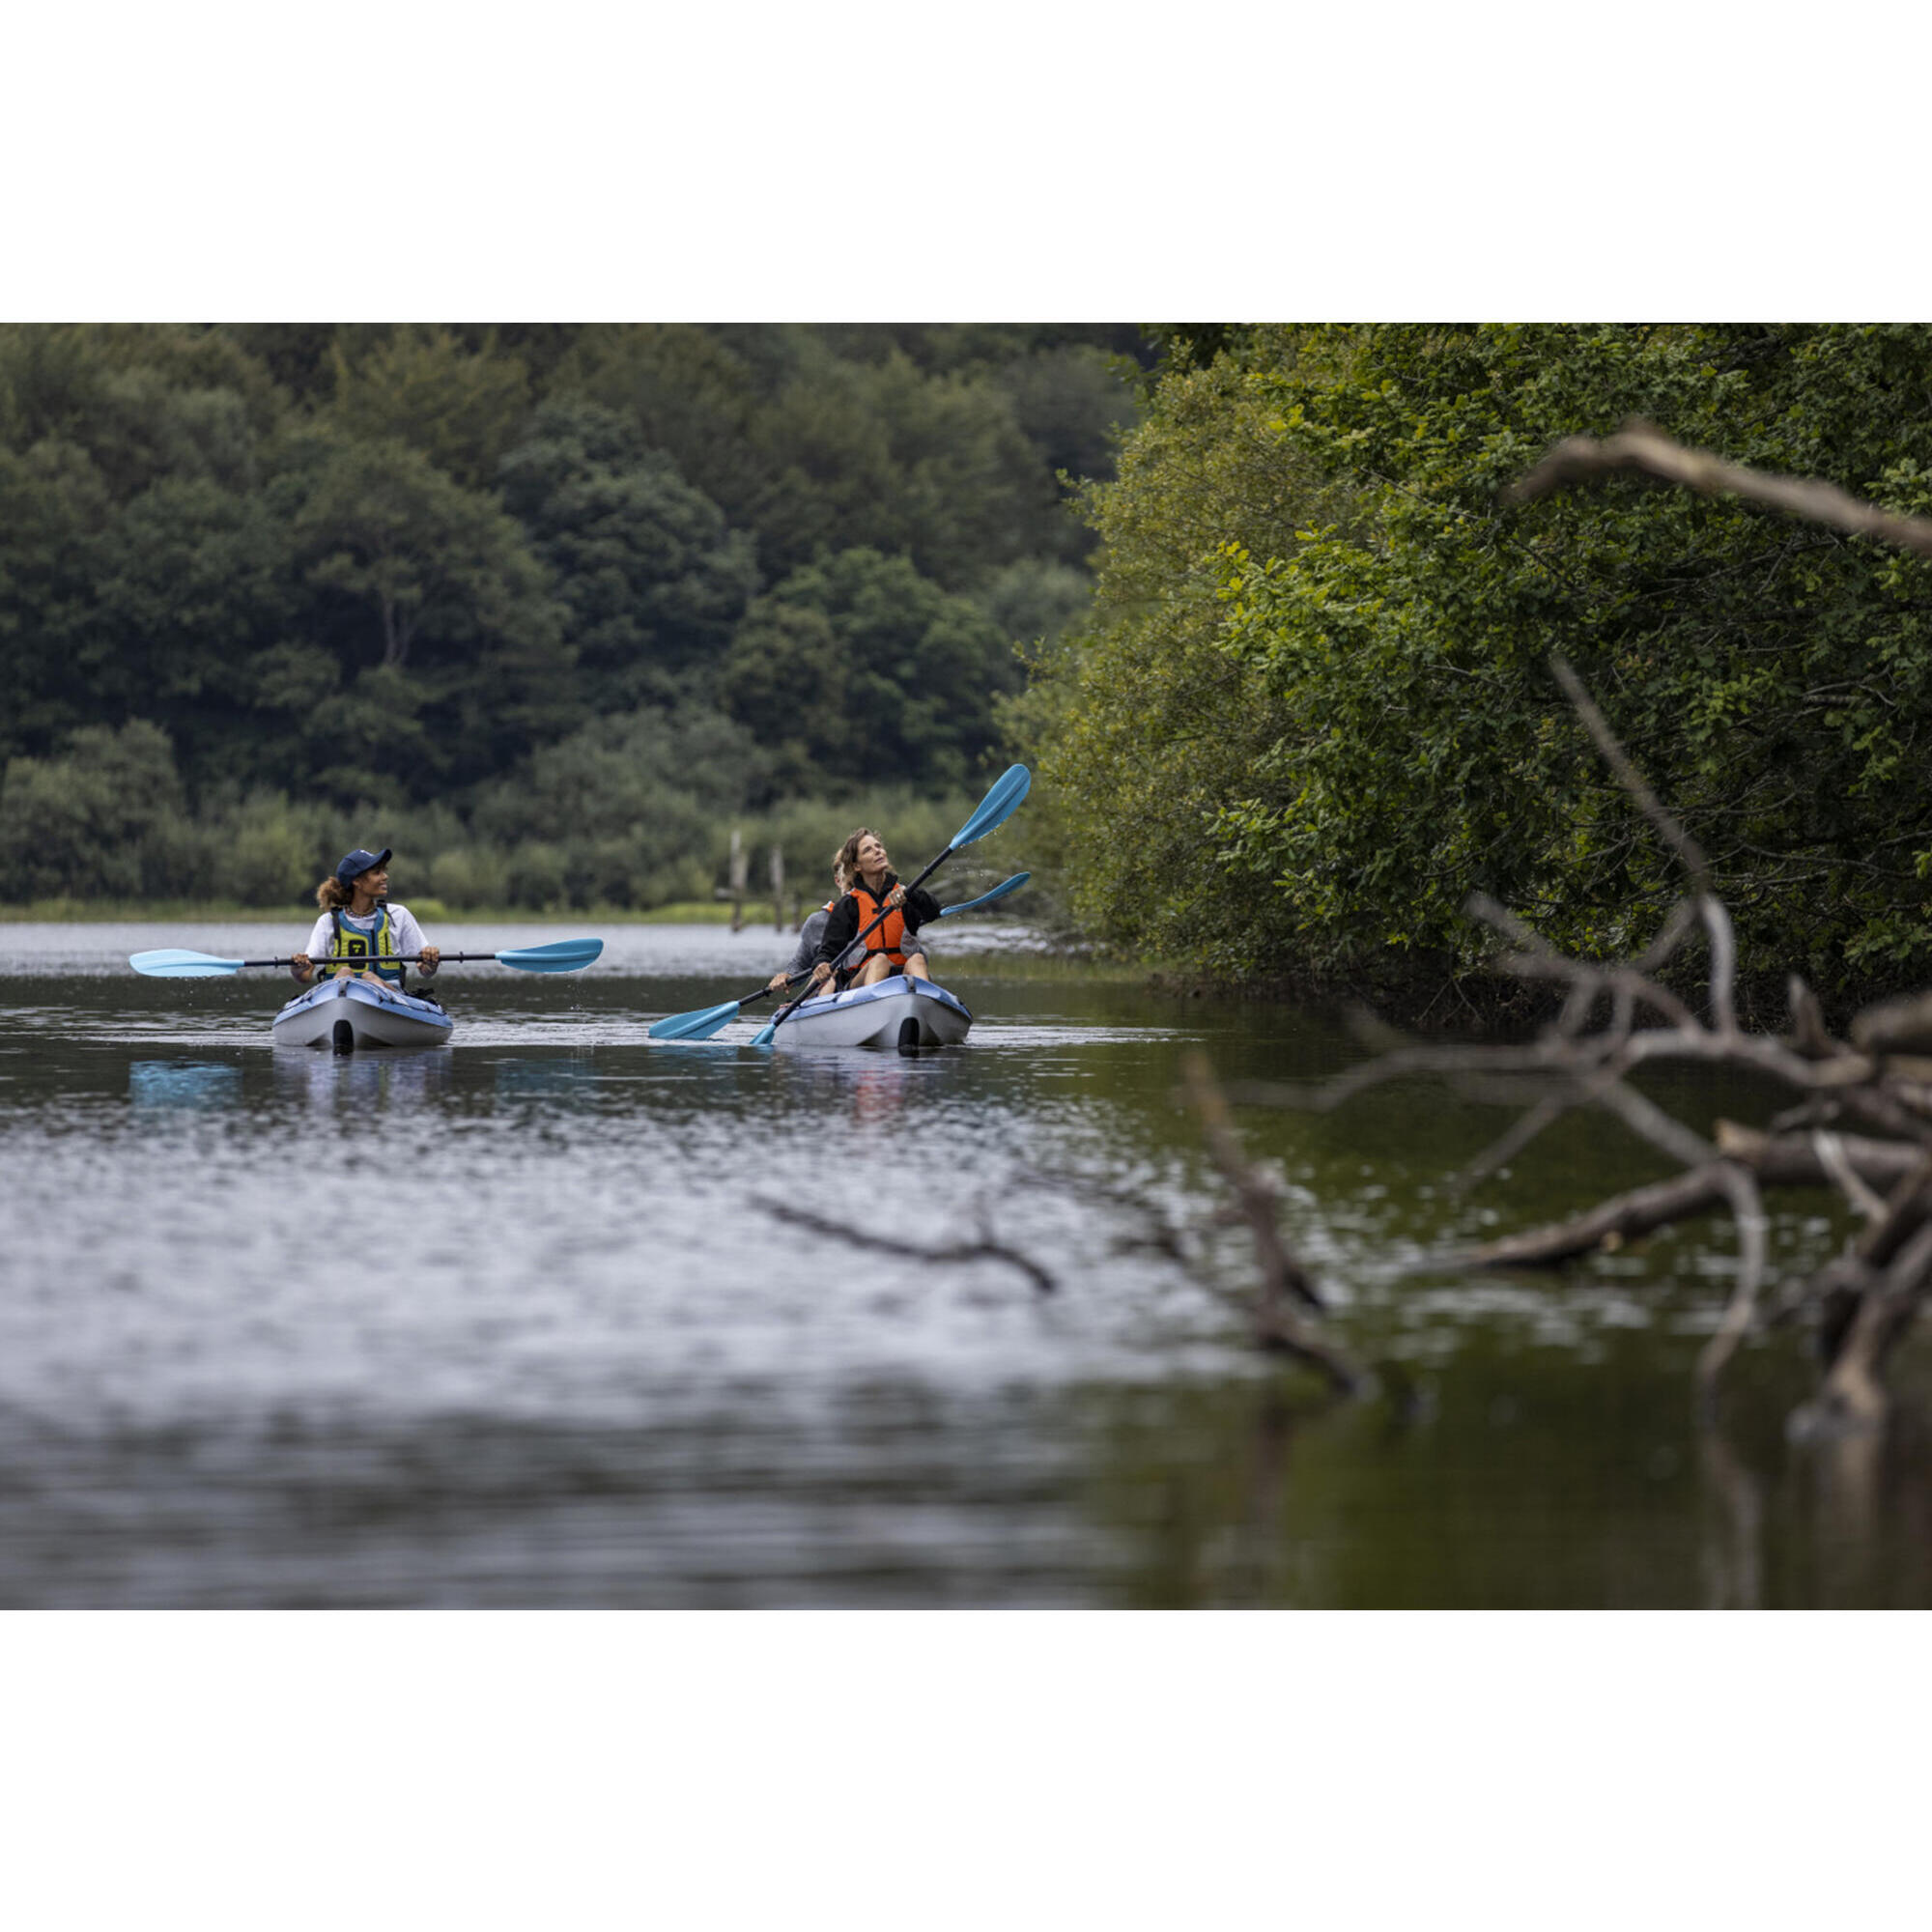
(346, 1013)
(906, 1013)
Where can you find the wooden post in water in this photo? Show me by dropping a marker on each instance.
(778, 887)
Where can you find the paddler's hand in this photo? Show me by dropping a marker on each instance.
(897, 896)
(819, 974)
(431, 957)
(778, 982)
(299, 968)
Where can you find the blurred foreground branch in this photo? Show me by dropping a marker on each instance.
(1640, 446)
(987, 1249)
(1278, 1324)
(1862, 1122)
(1877, 1079)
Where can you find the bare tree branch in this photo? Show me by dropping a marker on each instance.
(1630, 779)
(1640, 446)
(986, 1249)
(1277, 1324)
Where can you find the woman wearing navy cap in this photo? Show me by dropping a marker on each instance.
(358, 924)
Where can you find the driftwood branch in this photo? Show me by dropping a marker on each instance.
(1278, 1324)
(1638, 446)
(1879, 1080)
(986, 1249)
(1629, 778)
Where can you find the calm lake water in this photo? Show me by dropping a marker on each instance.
(520, 1320)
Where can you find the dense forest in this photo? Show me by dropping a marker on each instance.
(553, 609)
(1314, 708)
(547, 608)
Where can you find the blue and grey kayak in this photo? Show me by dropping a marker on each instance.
(346, 1013)
(905, 1013)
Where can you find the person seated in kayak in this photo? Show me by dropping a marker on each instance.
(874, 888)
(813, 930)
(358, 924)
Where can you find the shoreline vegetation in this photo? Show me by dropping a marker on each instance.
(1312, 711)
(591, 621)
(548, 608)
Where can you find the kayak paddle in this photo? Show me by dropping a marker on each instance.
(706, 1020)
(561, 956)
(999, 892)
(995, 808)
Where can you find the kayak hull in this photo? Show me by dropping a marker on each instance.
(373, 1012)
(882, 1015)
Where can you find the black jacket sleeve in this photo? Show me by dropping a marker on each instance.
(841, 927)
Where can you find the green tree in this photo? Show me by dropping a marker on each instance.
(434, 586)
(1769, 676)
(53, 503)
(650, 579)
(460, 407)
(188, 580)
(105, 818)
(857, 669)
(1141, 724)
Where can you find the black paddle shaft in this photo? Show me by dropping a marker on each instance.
(378, 960)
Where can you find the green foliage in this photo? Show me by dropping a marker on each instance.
(651, 580)
(444, 612)
(1035, 599)
(1144, 725)
(1384, 627)
(459, 409)
(356, 571)
(857, 668)
(105, 820)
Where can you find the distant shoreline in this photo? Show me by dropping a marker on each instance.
(94, 912)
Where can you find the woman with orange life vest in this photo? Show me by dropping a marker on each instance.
(873, 888)
(358, 924)
(812, 930)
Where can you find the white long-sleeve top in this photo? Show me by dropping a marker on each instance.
(403, 926)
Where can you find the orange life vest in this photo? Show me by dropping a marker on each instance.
(889, 937)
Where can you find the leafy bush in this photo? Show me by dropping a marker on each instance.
(105, 820)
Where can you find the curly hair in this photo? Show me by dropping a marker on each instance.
(335, 895)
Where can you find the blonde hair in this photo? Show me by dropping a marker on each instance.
(335, 895)
(846, 861)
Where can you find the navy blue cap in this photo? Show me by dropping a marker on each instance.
(359, 861)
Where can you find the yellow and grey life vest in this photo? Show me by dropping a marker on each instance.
(352, 948)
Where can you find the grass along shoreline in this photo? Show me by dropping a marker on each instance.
(218, 911)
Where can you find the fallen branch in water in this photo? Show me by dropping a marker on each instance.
(1276, 1323)
(1796, 1160)
(986, 1249)
(1878, 1080)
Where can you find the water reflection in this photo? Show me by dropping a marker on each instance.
(194, 1085)
(1731, 1556)
(565, 1076)
(586, 1371)
(361, 1083)
(866, 1088)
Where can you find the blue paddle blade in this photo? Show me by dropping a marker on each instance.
(763, 1036)
(999, 892)
(562, 955)
(700, 1025)
(172, 962)
(996, 807)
